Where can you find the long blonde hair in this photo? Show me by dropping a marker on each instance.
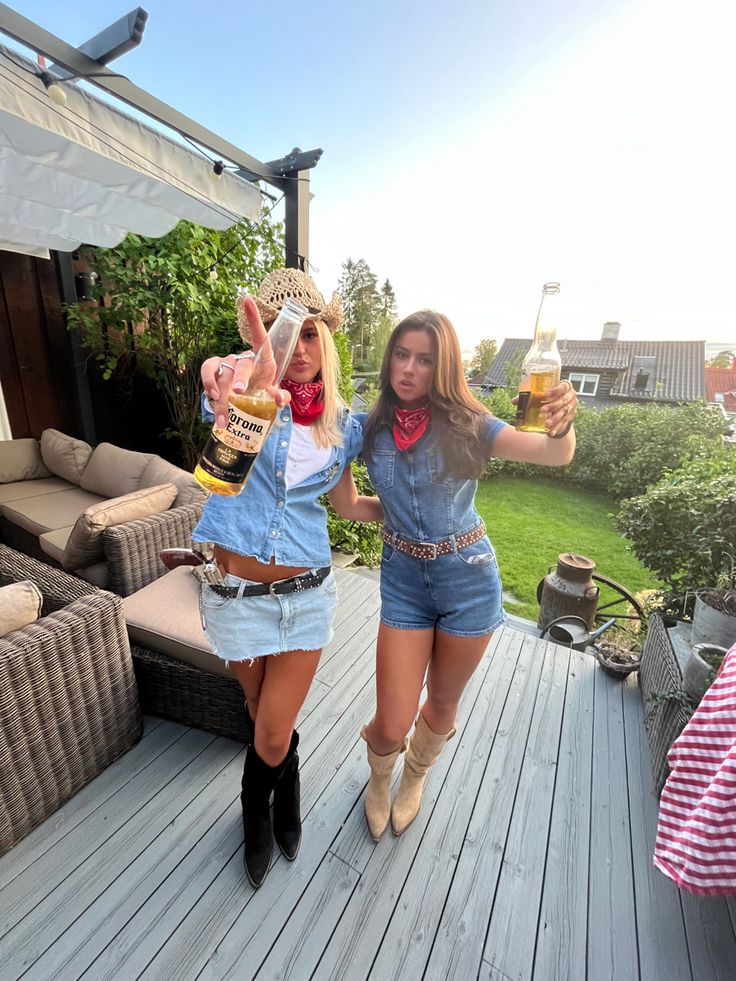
(456, 413)
(327, 430)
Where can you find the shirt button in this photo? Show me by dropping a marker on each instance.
(280, 503)
(285, 417)
(279, 473)
(275, 534)
(284, 443)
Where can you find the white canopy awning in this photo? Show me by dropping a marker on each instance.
(88, 173)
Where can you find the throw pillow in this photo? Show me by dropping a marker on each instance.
(113, 471)
(84, 546)
(20, 459)
(20, 604)
(63, 455)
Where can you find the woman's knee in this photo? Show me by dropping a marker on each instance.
(389, 732)
(272, 740)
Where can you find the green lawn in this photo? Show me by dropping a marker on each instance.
(531, 522)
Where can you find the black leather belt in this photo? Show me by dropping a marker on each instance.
(296, 584)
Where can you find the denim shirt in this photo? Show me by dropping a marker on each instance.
(267, 521)
(419, 502)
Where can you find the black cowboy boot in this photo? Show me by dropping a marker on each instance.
(287, 821)
(259, 779)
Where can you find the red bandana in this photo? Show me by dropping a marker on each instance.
(410, 425)
(306, 400)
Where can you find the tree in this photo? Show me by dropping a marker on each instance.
(388, 303)
(362, 303)
(483, 357)
(159, 309)
(724, 359)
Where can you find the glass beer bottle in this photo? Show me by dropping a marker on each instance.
(229, 453)
(540, 369)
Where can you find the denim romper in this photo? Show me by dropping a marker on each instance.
(459, 593)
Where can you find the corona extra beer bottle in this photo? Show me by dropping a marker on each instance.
(540, 369)
(229, 453)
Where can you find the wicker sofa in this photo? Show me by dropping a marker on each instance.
(103, 513)
(68, 696)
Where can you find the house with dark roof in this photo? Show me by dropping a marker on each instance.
(720, 388)
(610, 371)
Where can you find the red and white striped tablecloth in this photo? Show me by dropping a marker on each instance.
(696, 834)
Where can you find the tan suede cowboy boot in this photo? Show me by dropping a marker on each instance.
(425, 747)
(378, 796)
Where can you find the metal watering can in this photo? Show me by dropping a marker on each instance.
(573, 632)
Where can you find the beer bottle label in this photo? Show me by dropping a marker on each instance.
(522, 406)
(224, 463)
(244, 433)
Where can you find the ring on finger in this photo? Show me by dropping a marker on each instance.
(224, 364)
(246, 356)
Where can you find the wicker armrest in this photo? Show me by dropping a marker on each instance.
(132, 550)
(58, 588)
(68, 707)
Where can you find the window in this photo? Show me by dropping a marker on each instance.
(642, 374)
(719, 397)
(585, 384)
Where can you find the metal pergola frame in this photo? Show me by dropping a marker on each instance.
(290, 174)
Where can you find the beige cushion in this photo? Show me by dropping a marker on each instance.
(63, 455)
(49, 511)
(84, 546)
(159, 471)
(113, 471)
(20, 459)
(20, 604)
(32, 488)
(164, 617)
(53, 543)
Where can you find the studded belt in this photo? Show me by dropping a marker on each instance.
(296, 584)
(430, 550)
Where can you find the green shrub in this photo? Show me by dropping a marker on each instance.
(684, 527)
(623, 450)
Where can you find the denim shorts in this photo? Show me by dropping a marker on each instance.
(255, 626)
(458, 593)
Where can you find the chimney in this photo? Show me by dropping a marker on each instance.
(610, 331)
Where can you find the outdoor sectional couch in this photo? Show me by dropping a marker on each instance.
(101, 513)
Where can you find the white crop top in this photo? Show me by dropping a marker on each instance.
(304, 458)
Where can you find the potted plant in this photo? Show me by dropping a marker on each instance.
(703, 664)
(618, 652)
(714, 615)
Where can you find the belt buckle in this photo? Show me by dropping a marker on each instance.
(433, 546)
(271, 585)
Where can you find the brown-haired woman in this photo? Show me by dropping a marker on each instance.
(427, 440)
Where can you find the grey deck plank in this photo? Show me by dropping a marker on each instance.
(359, 600)
(409, 938)
(20, 896)
(385, 866)
(95, 930)
(30, 938)
(710, 937)
(298, 949)
(158, 735)
(461, 936)
(230, 915)
(659, 919)
(518, 895)
(561, 935)
(612, 940)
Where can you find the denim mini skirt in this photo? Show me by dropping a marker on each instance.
(257, 626)
(459, 593)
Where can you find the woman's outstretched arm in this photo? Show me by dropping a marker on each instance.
(348, 503)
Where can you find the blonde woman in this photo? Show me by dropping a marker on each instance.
(427, 440)
(273, 615)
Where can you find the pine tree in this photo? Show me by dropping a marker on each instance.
(358, 287)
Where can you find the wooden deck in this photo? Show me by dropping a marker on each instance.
(531, 857)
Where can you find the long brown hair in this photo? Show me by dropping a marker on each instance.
(456, 413)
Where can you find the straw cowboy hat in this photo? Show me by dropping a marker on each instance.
(295, 283)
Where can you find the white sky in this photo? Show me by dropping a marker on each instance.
(477, 149)
(613, 171)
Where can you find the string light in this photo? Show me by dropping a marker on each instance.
(213, 272)
(54, 91)
(218, 168)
